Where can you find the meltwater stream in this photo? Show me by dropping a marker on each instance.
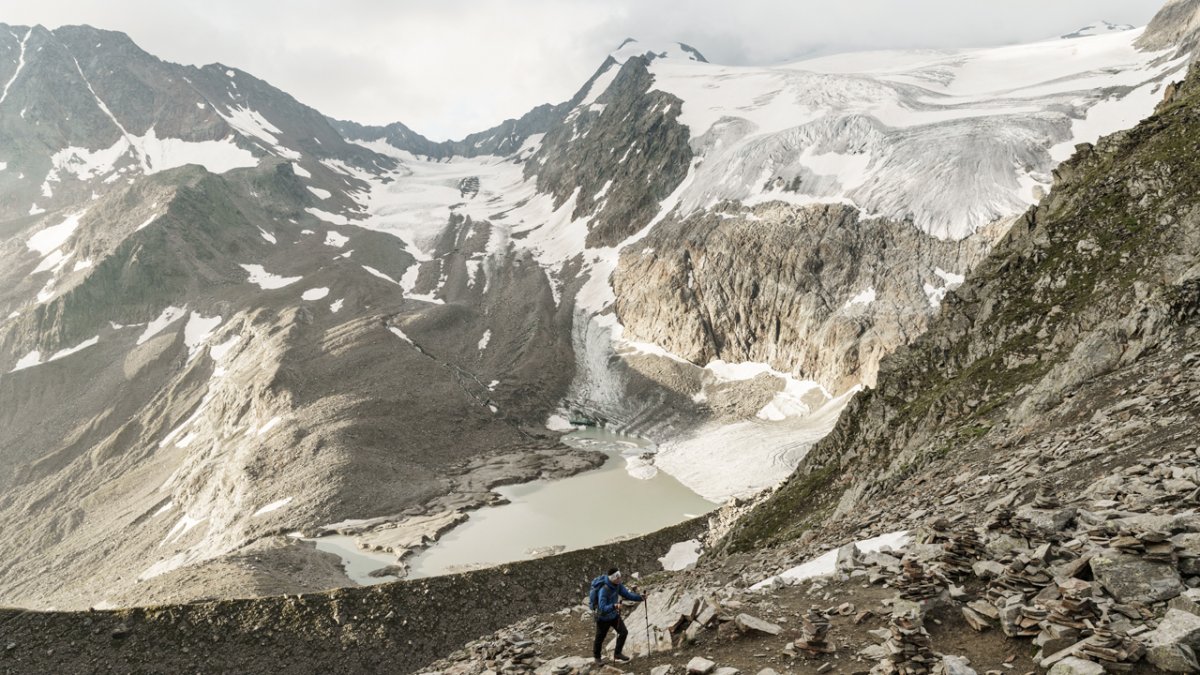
(587, 509)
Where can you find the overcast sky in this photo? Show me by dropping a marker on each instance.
(451, 67)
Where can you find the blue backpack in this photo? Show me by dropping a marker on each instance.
(594, 595)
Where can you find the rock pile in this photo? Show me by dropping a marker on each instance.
(915, 582)
(814, 627)
(908, 648)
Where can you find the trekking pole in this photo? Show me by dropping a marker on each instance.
(646, 602)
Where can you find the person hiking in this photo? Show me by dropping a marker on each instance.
(607, 591)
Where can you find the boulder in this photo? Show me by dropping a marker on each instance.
(1049, 520)
(1188, 602)
(848, 558)
(1189, 552)
(661, 670)
(1171, 646)
(1131, 578)
(957, 665)
(1173, 658)
(1076, 666)
(874, 652)
(1000, 544)
(727, 670)
(747, 624)
(700, 666)
(987, 569)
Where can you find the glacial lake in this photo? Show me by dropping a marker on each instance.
(587, 509)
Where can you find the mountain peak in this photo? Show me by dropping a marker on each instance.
(670, 50)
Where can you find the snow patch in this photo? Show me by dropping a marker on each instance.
(273, 506)
(265, 280)
(376, 273)
(314, 294)
(197, 331)
(952, 280)
(320, 194)
(168, 316)
(33, 358)
(864, 298)
(218, 352)
(335, 239)
(251, 123)
(153, 154)
(336, 305)
(332, 218)
(271, 424)
(935, 295)
(483, 341)
(681, 556)
(825, 564)
(51, 238)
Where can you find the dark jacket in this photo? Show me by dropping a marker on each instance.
(608, 597)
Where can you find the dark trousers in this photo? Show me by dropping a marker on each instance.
(602, 632)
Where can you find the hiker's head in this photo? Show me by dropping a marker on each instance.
(614, 575)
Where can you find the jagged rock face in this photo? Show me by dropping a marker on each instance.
(819, 290)
(1093, 282)
(618, 158)
(1175, 24)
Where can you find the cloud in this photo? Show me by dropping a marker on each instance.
(450, 67)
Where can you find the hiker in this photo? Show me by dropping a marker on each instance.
(605, 599)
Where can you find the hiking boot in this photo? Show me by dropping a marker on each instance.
(622, 658)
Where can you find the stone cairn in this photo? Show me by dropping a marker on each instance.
(814, 628)
(909, 651)
(915, 582)
(960, 549)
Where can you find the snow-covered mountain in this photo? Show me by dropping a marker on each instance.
(951, 140)
(766, 216)
(227, 317)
